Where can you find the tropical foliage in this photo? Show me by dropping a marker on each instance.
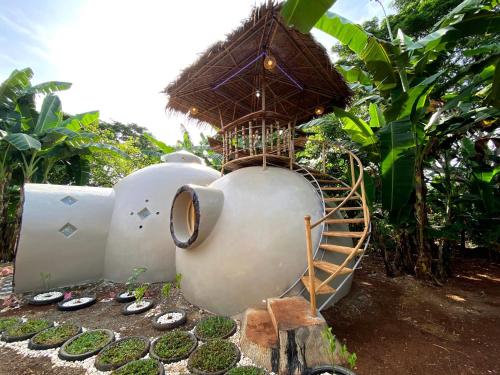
(424, 118)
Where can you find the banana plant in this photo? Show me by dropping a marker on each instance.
(404, 129)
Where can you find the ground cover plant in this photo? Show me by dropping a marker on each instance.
(30, 327)
(215, 327)
(173, 346)
(56, 335)
(122, 352)
(87, 342)
(246, 370)
(8, 322)
(216, 356)
(141, 367)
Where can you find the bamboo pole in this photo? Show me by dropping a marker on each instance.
(353, 177)
(310, 265)
(264, 161)
(323, 158)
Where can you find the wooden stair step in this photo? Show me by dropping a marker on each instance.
(345, 221)
(332, 181)
(325, 289)
(337, 188)
(331, 268)
(344, 208)
(341, 199)
(347, 234)
(338, 249)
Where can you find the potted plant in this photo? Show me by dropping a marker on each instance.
(54, 337)
(25, 330)
(140, 304)
(215, 327)
(47, 296)
(335, 351)
(119, 353)
(131, 284)
(216, 357)
(8, 322)
(173, 346)
(170, 318)
(142, 366)
(86, 344)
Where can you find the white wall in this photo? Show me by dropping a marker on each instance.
(72, 256)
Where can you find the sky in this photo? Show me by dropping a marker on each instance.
(120, 54)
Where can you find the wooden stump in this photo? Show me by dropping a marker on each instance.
(285, 339)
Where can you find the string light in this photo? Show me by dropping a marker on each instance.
(318, 111)
(193, 110)
(269, 62)
(257, 93)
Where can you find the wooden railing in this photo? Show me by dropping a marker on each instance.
(357, 188)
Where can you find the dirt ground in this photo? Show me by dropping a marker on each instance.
(399, 326)
(395, 326)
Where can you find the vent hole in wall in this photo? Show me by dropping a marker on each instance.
(140, 226)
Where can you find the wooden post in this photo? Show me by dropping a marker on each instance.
(310, 265)
(224, 143)
(278, 141)
(323, 158)
(236, 141)
(292, 146)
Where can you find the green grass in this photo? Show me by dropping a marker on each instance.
(246, 370)
(175, 344)
(8, 322)
(216, 355)
(141, 367)
(123, 351)
(87, 342)
(214, 327)
(57, 334)
(29, 327)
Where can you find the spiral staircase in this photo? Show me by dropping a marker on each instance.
(345, 233)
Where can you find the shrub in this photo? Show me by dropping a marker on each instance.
(30, 327)
(175, 345)
(87, 342)
(214, 356)
(56, 335)
(140, 367)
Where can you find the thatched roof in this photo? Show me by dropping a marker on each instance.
(222, 83)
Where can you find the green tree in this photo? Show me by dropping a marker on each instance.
(404, 131)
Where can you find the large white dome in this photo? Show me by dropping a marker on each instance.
(139, 235)
(256, 248)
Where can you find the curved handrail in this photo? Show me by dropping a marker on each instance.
(358, 184)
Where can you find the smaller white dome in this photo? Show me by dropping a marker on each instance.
(182, 156)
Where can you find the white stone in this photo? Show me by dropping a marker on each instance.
(47, 296)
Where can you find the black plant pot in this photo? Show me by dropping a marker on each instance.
(166, 326)
(34, 346)
(147, 306)
(336, 370)
(35, 302)
(101, 366)
(63, 354)
(124, 299)
(62, 307)
(7, 338)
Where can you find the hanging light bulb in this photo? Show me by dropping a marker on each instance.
(257, 93)
(269, 62)
(193, 110)
(318, 111)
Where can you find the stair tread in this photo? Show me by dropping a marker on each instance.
(340, 199)
(345, 208)
(337, 188)
(331, 267)
(332, 181)
(355, 220)
(333, 233)
(338, 249)
(325, 289)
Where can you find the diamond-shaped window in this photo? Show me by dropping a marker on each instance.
(69, 200)
(144, 213)
(68, 229)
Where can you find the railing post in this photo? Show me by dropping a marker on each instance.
(353, 177)
(310, 265)
(323, 158)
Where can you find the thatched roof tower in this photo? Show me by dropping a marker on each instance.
(225, 83)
